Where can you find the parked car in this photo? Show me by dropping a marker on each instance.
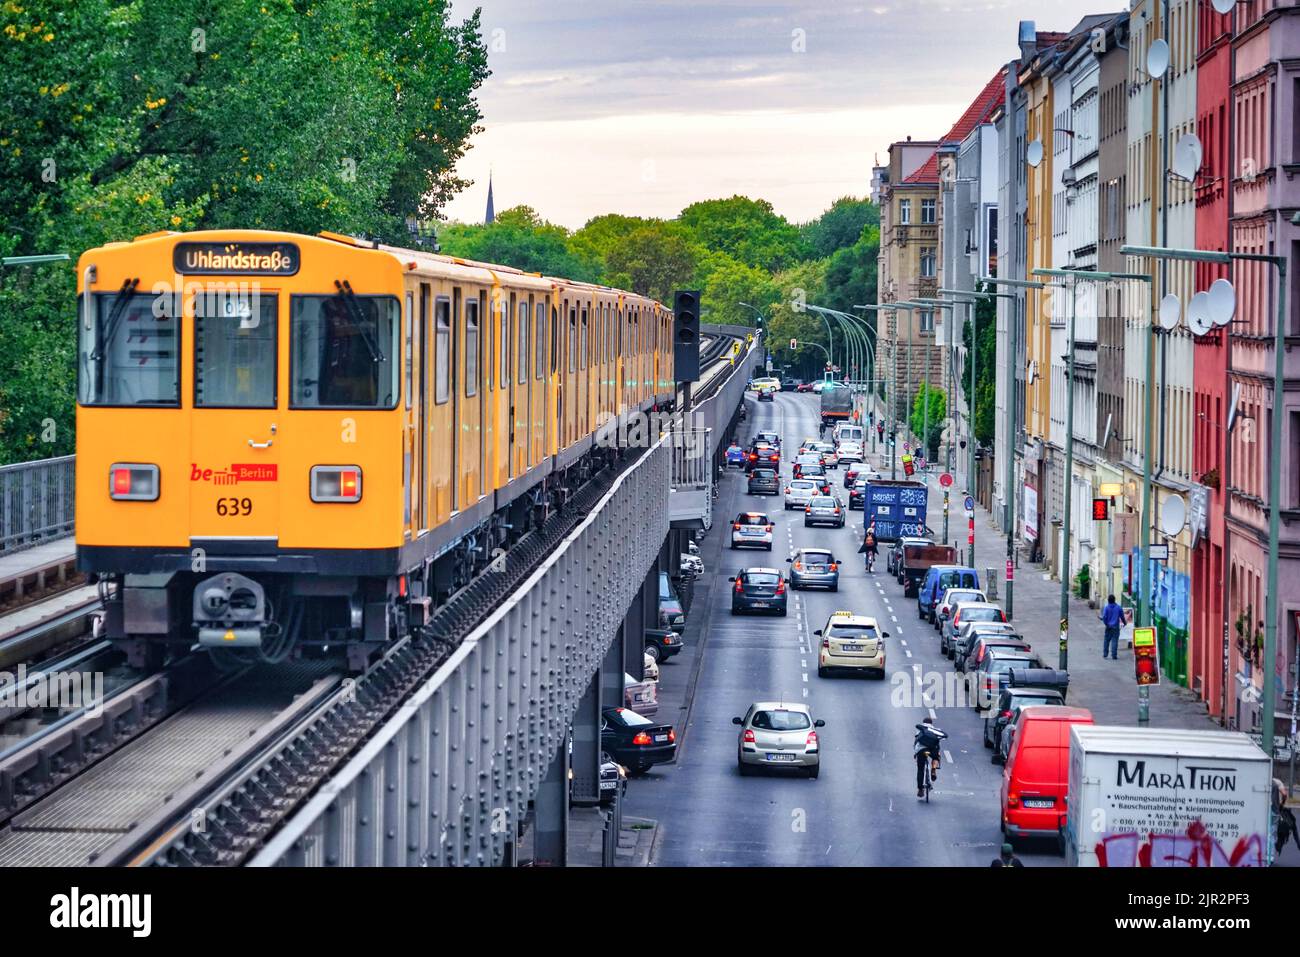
(758, 589)
(1037, 772)
(613, 779)
(818, 386)
(830, 457)
(641, 695)
(799, 492)
(966, 612)
(750, 529)
(977, 646)
(692, 564)
(824, 510)
(851, 642)
(991, 676)
(649, 668)
(950, 597)
(662, 643)
(1008, 705)
(635, 741)
(895, 553)
(814, 567)
(671, 614)
(938, 580)
(774, 734)
(805, 386)
(972, 631)
(790, 385)
(764, 482)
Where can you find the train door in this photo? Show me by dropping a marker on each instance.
(508, 340)
(584, 374)
(521, 413)
(424, 407)
(460, 404)
(445, 401)
(537, 411)
(410, 433)
(240, 355)
(476, 380)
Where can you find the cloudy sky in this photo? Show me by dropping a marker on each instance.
(644, 106)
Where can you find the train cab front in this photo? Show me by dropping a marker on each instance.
(239, 441)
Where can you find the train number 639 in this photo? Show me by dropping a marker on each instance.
(234, 506)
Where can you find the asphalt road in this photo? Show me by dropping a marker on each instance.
(863, 808)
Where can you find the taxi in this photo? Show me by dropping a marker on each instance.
(851, 642)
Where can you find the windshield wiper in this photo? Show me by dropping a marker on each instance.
(104, 338)
(358, 318)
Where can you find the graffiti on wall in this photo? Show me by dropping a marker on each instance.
(1196, 848)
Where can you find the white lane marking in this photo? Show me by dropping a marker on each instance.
(947, 755)
(805, 676)
(894, 617)
(933, 716)
(909, 654)
(803, 662)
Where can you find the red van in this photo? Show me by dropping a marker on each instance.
(1037, 772)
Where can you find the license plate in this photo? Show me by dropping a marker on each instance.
(758, 604)
(850, 647)
(1039, 802)
(750, 531)
(661, 738)
(816, 569)
(608, 785)
(780, 757)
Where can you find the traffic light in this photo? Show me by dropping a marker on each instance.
(686, 335)
(1101, 509)
(794, 345)
(1146, 663)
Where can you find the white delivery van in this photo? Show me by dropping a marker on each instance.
(1157, 797)
(848, 433)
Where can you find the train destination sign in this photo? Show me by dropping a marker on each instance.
(210, 259)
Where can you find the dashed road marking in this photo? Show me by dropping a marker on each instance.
(947, 755)
(933, 716)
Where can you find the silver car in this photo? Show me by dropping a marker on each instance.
(830, 457)
(774, 734)
(798, 492)
(824, 510)
(850, 452)
(814, 566)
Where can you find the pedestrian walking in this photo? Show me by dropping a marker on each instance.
(1112, 616)
(1008, 858)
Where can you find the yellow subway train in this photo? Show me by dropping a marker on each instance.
(287, 440)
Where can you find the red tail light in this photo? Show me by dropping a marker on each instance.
(641, 738)
(826, 642)
(780, 587)
(736, 526)
(753, 456)
(672, 736)
(335, 483)
(748, 737)
(835, 566)
(769, 528)
(807, 508)
(1013, 799)
(139, 483)
(837, 511)
(740, 587)
(1006, 714)
(812, 740)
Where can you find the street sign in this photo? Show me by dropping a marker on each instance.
(945, 480)
(970, 504)
(1158, 553)
(1011, 571)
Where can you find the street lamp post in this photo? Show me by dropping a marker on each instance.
(1275, 460)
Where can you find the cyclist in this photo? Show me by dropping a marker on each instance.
(925, 745)
(869, 548)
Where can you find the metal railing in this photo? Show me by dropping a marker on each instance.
(691, 475)
(36, 502)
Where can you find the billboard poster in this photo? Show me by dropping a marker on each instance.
(1031, 513)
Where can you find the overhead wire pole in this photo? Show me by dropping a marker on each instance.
(856, 337)
(1012, 399)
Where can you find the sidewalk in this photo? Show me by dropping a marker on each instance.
(1106, 688)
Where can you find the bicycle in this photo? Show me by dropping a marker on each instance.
(871, 563)
(927, 781)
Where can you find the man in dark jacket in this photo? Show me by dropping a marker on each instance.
(1112, 616)
(1008, 858)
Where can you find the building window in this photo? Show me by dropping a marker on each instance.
(905, 211)
(927, 321)
(927, 262)
(927, 211)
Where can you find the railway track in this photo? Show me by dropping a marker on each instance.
(195, 767)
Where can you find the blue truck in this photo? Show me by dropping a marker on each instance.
(896, 508)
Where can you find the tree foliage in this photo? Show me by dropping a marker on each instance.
(985, 370)
(938, 401)
(841, 226)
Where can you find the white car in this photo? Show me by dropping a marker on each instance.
(693, 564)
(650, 668)
(850, 451)
(752, 528)
(799, 492)
(818, 386)
(950, 598)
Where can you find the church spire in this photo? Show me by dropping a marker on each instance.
(491, 212)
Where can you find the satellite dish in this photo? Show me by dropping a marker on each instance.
(1223, 302)
(1173, 515)
(1158, 59)
(1223, 6)
(1188, 155)
(1171, 310)
(1034, 153)
(1198, 314)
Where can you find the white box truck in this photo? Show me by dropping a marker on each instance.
(1157, 797)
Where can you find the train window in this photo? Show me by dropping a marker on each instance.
(471, 347)
(503, 317)
(410, 343)
(585, 335)
(442, 346)
(539, 332)
(235, 350)
(573, 338)
(344, 351)
(555, 340)
(127, 353)
(521, 362)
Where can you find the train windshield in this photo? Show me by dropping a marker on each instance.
(344, 351)
(127, 350)
(235, 350)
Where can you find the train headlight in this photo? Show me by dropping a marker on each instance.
(336, 483)
(130, 482)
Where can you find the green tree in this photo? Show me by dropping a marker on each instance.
(841, 226)
(602, 233)
(985, 370)
(800, 284)
(725, 283)
(938, 412)
(655, 259)
(518, 238)
(746, 229)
